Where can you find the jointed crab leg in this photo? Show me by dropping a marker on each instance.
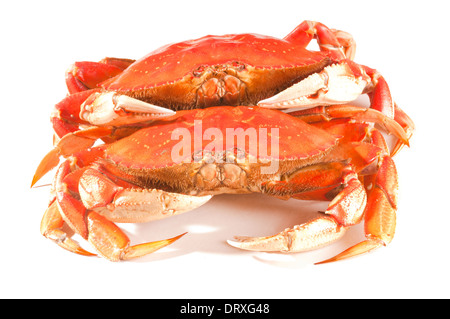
(113, 244)
(380, 212)
(101, 201)
(349, 205)
(340, 46)
(70, 144)
(82, 79)
(357, 113)
(81, 106)
(338, 83)
(82, 76)
(408, 125)
(401, 126)
(338, 43)
(109, 240)
(51, 228)
(380, 96)
(345, 210)
(66, 116)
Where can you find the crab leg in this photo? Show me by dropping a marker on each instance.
(82, 79)
(82, 76)
(338, 43)
(338, 84)
(380, 212)
(345, 209)
(66, 116)
(51, 228)
(380, 96)
(356, 113)
(401, 126)
(112, 243)
(109, 240)
(71, 144)
(89, 212)
(408, 125)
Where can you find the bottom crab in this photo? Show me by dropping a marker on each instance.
(176, 165)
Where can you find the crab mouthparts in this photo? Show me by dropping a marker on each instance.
(112, 108)
(335, 84)
(225, 90)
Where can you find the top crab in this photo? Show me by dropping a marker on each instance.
(236, 69)
(112, 98)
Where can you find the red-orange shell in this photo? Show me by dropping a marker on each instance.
(173, 62)
(151, 147)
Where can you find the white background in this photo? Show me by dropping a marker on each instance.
(406, 41)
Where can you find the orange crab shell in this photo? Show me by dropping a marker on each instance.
(171, 63)
(151, 148)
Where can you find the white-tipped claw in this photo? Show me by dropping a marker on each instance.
(111, 108)
(278, 242)
(335, 84)
(308, 236)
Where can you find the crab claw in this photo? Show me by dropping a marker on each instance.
(111, 108)
(335, 84)
(308, 236)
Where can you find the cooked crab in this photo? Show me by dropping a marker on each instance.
(153, 173)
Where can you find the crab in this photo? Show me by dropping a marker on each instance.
(153, 174)
(113, 98)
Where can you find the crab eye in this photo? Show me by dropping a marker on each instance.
(239, 66)
(199, 70)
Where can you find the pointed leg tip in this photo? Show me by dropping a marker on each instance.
(403, 138)
(50, 161)
(165, 242)
(81, 251)
(407, 143)
(34, 181)
(326, 261)
(240, 242)
(74, 247)
(276, 243)
(356, 250)
(173, 239)
(235, 242)
(148, 248)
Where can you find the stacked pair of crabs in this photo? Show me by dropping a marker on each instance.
(327, 149)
